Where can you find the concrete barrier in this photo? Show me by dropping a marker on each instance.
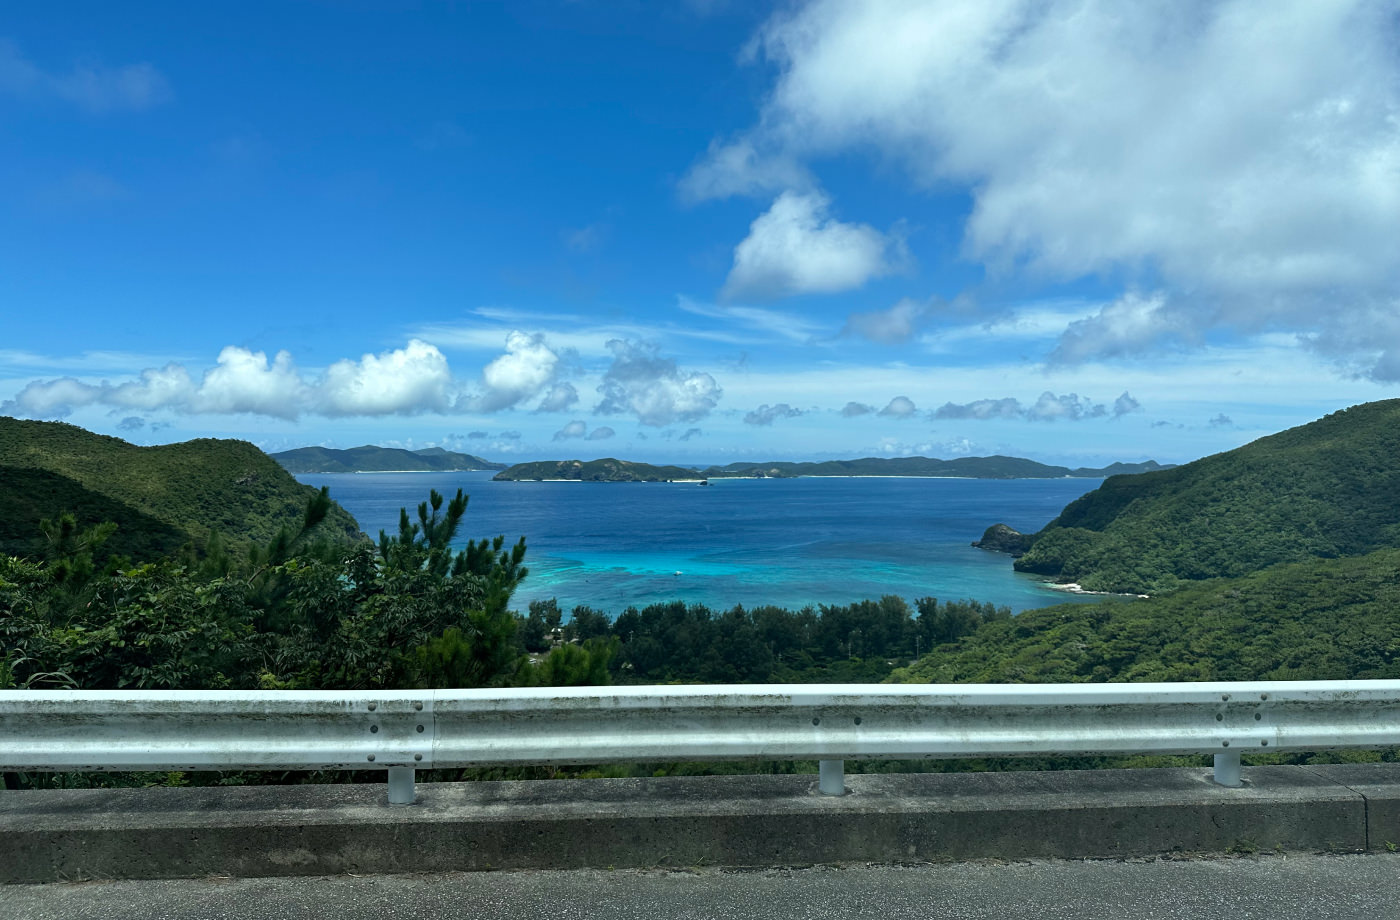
(689, 821)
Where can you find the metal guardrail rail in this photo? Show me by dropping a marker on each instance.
(405, 731)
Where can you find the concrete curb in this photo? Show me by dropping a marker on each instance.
(688, 821)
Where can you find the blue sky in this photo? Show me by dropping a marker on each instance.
(701, 231)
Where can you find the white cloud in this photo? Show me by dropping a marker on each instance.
(601, 433)
(1241, 157)
(738, 169)
(402, 381)
(245, 381)
(795, 247)
(527, 367)
(1129, 324)
(893, 326)
(784, 325)
(641, 382)
(900, 407)
(88, 85)
(1070, 407)
(856, 409)
(412, 379)
(981, 409)
(1048, 408)
(51, 398)
(560, 397)
(1125, 405)
(158, 388)
(575, 429)
(767, 415)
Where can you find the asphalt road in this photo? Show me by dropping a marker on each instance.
(1268, 887)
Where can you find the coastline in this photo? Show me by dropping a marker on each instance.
(1074, 587)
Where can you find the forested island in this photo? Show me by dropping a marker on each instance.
(371, 459)
(612, 470)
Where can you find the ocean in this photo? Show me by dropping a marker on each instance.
(785, 542)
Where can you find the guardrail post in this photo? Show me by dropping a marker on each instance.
(401, 790)
(833, 777)
(1227, 769)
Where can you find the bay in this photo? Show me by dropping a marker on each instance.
(785, 542)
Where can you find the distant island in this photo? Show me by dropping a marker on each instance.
(604, 470)
(371, 459)
(613, 470)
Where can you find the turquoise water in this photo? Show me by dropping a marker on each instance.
(789, 542)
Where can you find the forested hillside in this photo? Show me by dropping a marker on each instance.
(160, 497)
(607, 469)
(1322, 619)
(371, 459)
(1327, 489)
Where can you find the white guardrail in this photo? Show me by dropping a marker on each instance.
(404, 731)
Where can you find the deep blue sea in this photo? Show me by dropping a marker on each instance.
(789, 542)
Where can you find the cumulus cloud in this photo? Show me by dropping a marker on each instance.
(601, 433)
(132, 423)
(1128, 325)
(1242, 158)
(737, 168)
(1222, 421)
(981, 409)
(795, 247)
(641, 382)
(690, 433)
(900, 407)
(527, 367)
(1070, 407)
(896, 325)
(402, 381)
(1048, 408)
(1125, 404)
(854, 409)
(406, 380)
(575, 429)
(560, 397)
(91, 86)
(767, 415)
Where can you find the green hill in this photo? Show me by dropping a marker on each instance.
(604, 470)
(1326, 489)
(160, 497)
(1322, 619)
(371, 459)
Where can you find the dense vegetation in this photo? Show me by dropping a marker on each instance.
(299, 612)
(370, 459)
(1327, 489)
(604, 470)
(679, 643)
(160, 497)
(1322, 619)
